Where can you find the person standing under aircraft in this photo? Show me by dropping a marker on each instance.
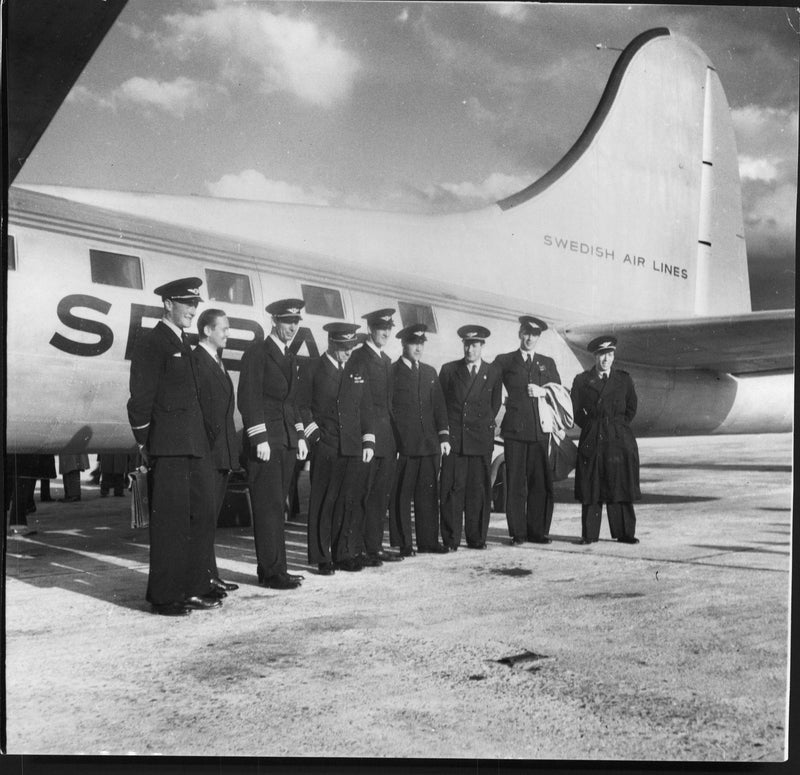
(422, 436)
(167, 423)
(607, 470)
(272, 438)
(341, 430)
(472, 392)
(529, 480)
(377, 368)
(217, 404)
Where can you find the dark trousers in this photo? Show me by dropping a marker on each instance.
(181, 528)
(529, 489)
(621, 520)
(18, 491)
(72, 485)
(269, 483)
(112, 481)
(464, 495)
(375, 503)
(337, 484)
(414, 481)
(219, 483)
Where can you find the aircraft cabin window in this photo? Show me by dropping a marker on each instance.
(12, 253)
(326, 302)
(229, 287)
(417, 313)
(116, 269)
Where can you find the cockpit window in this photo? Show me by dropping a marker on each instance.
(12, 253)
(229, 287)
(326, 302)
(417, 313)
(116, 269)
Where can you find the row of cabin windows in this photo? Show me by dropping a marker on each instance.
(125, 271)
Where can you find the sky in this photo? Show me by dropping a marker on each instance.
(421, 107)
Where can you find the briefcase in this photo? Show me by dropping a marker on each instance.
(140, 498)
(236, 510)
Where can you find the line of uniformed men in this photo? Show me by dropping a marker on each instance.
(384, 437)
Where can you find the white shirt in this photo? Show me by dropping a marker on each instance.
(281, 345)
(526, 354)
(172, 327)
(210, 349)
(333, 360)
(407, 362)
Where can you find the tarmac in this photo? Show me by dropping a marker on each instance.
(675, 649)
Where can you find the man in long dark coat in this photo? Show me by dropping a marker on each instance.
(272, 438)
(341, 430)
(422, 436)
(472, 392)
(529, 480)
(607, 470)
(217, 403)
(167, 423)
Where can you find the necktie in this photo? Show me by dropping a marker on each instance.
(286, 351)
(341, 367)
(221, 364)
(473, 370)
(185, 342)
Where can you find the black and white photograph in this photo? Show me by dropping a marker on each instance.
(399, 381)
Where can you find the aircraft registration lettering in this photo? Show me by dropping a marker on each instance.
(142, 312)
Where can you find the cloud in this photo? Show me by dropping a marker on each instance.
(515, 11)
(402, 17)
(176, 97)
(770, 214)
(281, 52)
(133, 31)
(80, 94)
(251, 184)
(757, 169)
(494, 187)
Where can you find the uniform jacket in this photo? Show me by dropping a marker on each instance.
(471, 406)
(521, 420)
(378, 371)
(419, 410)
(164, 407)
(217, 404)
(607, 470)
(268, 382)
(341, 408)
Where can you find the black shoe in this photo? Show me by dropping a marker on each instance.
(388, 556)
(71, 499)
(103, 494)
(281, 581)
(542, 540)
(452, 548)
(228, 586)
(201, 603)
(119, 494)
(371, 561)
(171, 609)
(481, 545)
(517, 541)
(326, 569)
(295, 577)
(351, 565)
(437, 549)
(630, 540)
(48, 499)
(215, 593)
(407, 551)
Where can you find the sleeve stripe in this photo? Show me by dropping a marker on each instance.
(256, 429)
(310, 428)
(368, 437)
(139, 427)
(298, 427)
(444, 433)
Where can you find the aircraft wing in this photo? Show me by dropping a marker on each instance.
(732, 344)
(47, 46)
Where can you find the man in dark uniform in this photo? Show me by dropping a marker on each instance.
(340, 428)
(376, 366)
(167, 423)
(472, 392)
(607, 470)
(422, 436)
(272, 438)
(217, 404)
(529, 481)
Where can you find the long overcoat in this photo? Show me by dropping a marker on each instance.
(607, 470)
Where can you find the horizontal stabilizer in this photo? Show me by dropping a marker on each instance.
(732, 344)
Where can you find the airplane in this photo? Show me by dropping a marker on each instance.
(636, 231)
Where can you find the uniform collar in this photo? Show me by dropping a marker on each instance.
(281, 345)
(371, 344)
(209, 348)
(177, 330)
(407, 362)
